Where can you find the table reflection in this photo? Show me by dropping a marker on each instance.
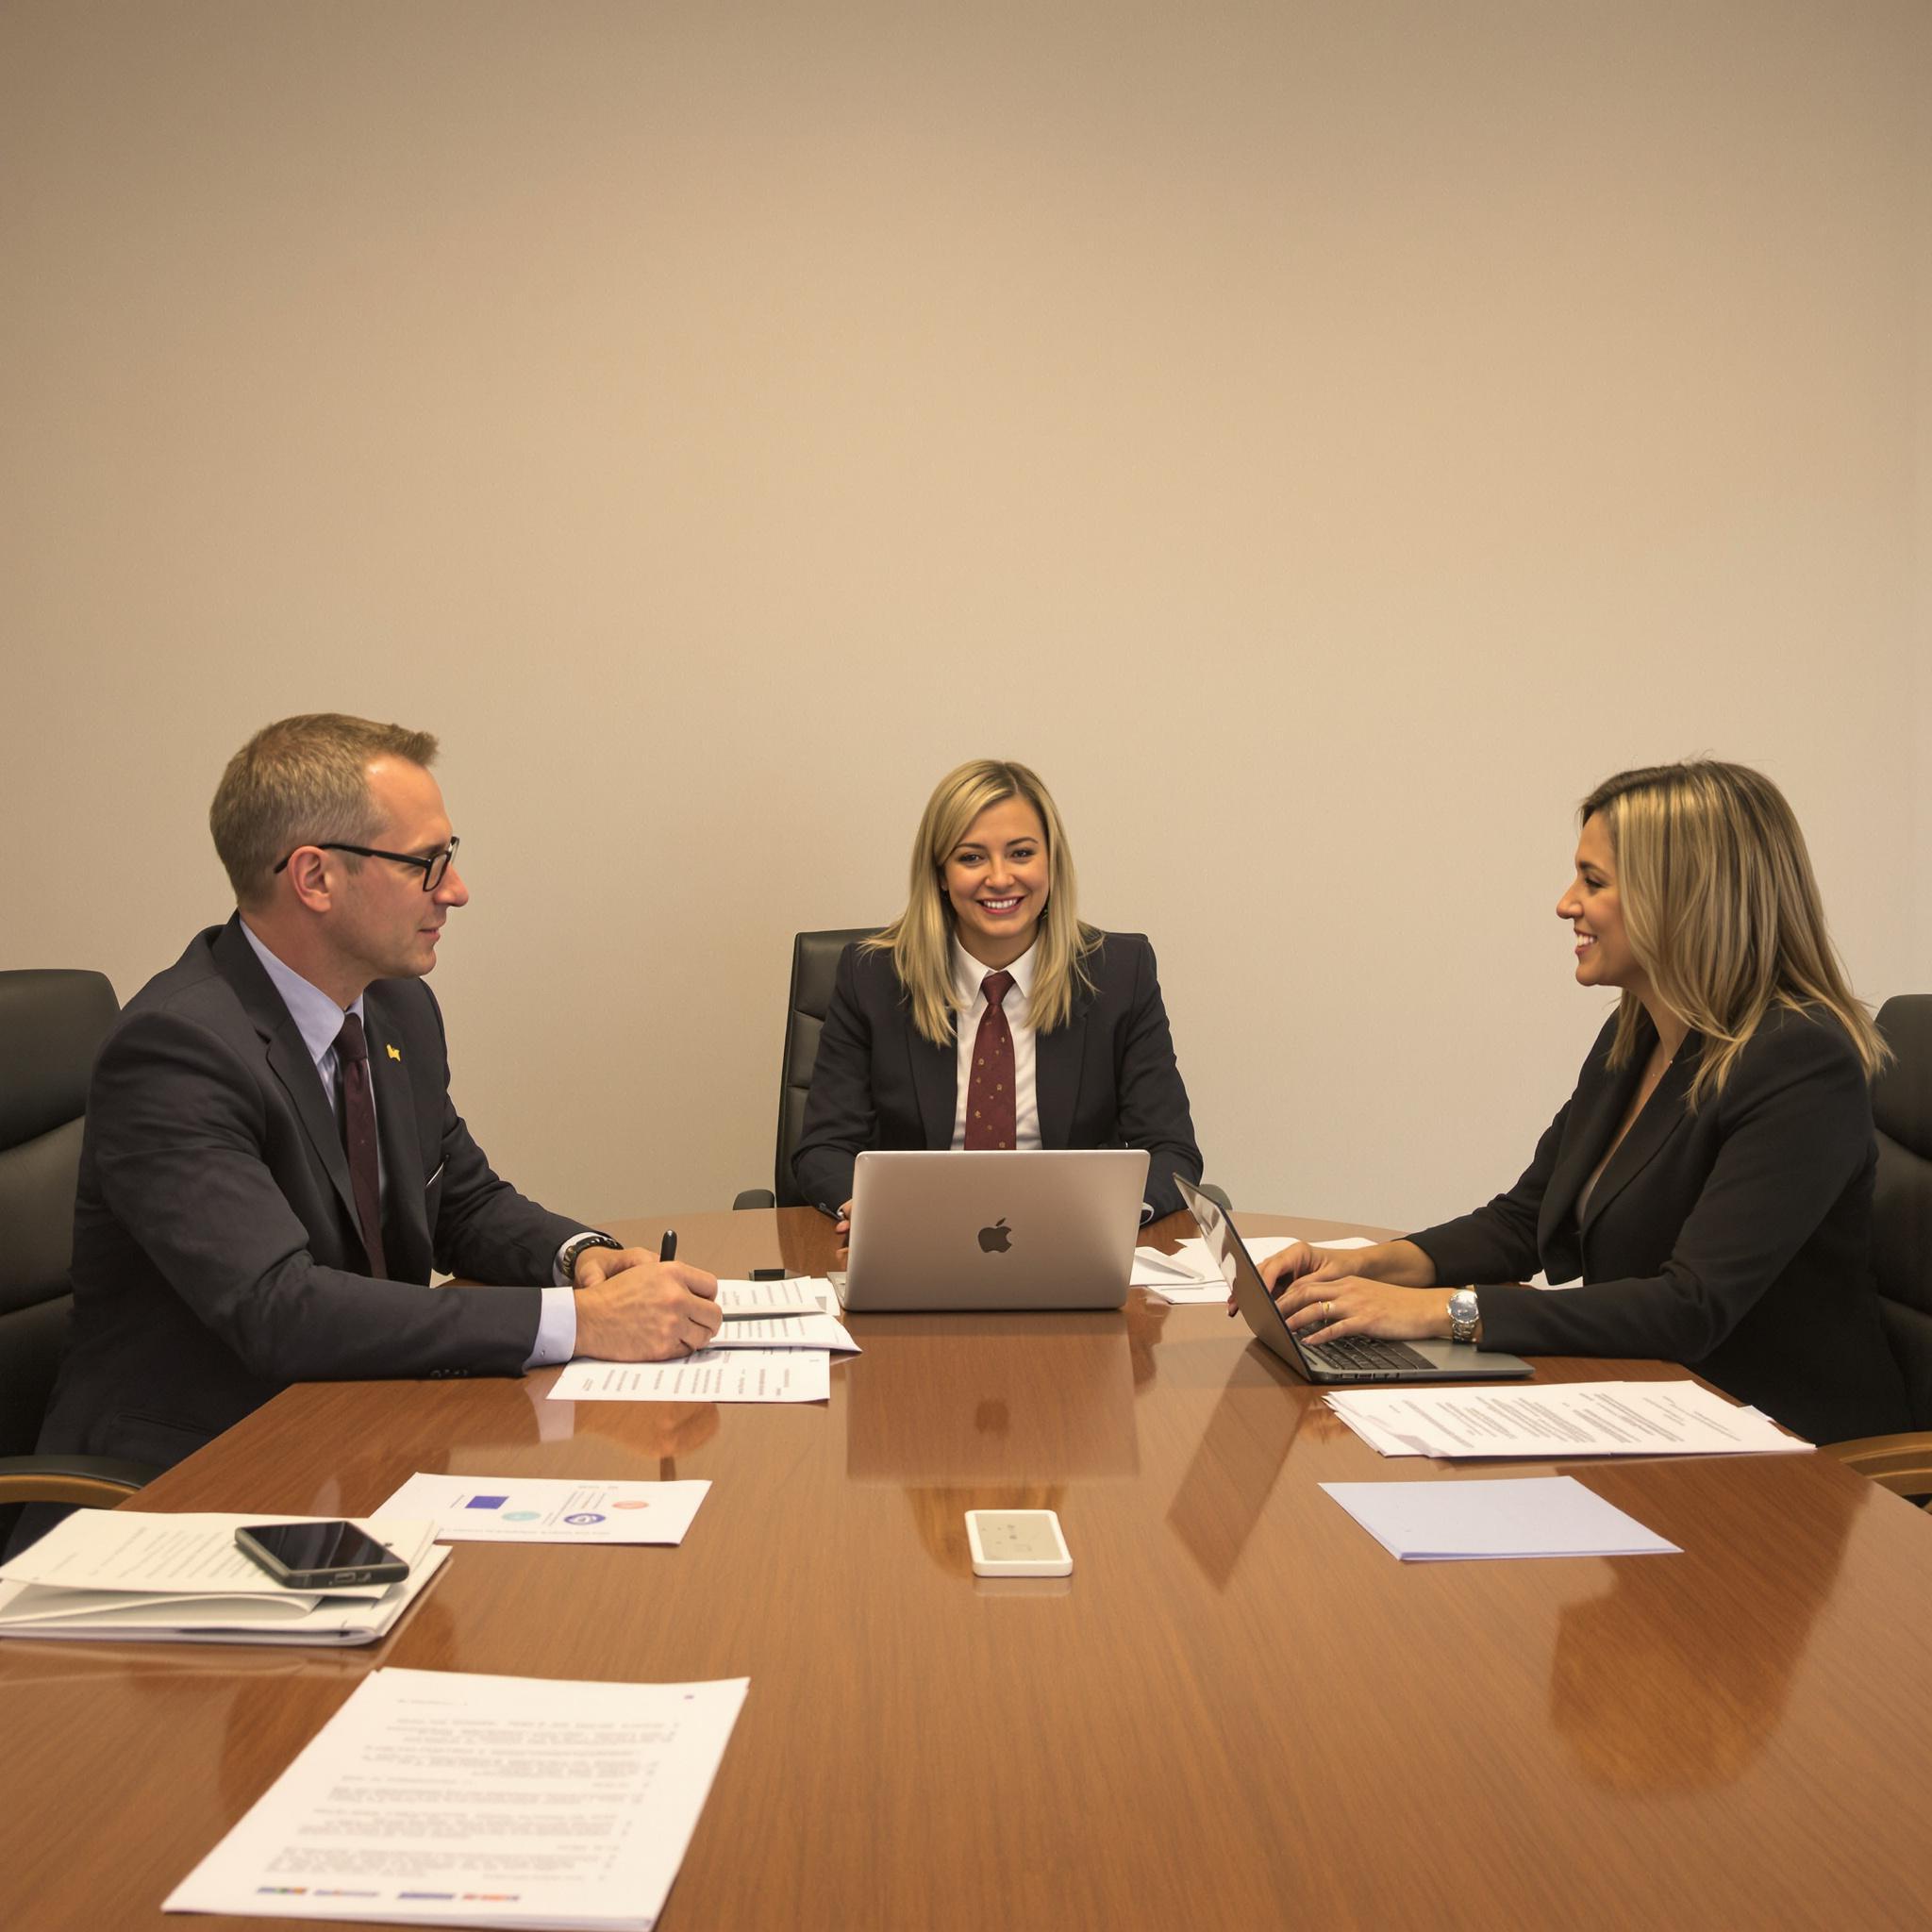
(946, 1401)
(1145, 1319)
(1235, 1463)
(1655, 1695)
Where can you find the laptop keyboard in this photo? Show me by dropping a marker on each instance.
(1366, 1352)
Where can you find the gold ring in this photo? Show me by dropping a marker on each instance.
(1326, 1306)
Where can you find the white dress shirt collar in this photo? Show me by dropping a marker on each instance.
(970, 974)
(317, 1017)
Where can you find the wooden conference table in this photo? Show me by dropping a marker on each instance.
(1238, 1711)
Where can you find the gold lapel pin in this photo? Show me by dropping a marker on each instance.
(392, 1053)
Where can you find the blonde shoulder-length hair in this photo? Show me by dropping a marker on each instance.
(1722, 909)
(921, 939)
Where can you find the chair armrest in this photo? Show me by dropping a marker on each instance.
(1901, 1463)
(90, 1482)
(1218, 1195)
(754, 1197)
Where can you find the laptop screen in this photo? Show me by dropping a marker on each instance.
(1258, 1311)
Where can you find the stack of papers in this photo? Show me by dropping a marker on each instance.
(1530, 1516)
(815, 1330)
(115, 1574)
(434, 1798)
(548, 1509)
(777, 1344)
(1191, 1274)
(1551, 1419)
(798, 1295)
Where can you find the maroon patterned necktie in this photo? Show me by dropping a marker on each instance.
(991, 1109)
(358, 1139)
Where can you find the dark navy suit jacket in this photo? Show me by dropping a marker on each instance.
(1106, 1079)
(1735, 1239)
(216, 1252)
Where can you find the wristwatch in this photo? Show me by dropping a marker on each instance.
(567, 1255)
(1463, 1315)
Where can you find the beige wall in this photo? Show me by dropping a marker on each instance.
(1325, 439)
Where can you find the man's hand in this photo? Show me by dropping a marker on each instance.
(633, 1308)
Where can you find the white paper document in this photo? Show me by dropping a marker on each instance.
(442, 1799)
(803, 1294)
(1551, 1419)
(120, 1574)
(713, 1375)
(1190, 1275)
(549, 1509)
(1508, 1516)
(816, 1330)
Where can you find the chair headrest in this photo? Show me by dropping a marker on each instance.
(52, 1023)
(1902, 1096)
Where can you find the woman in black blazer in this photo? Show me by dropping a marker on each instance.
(1710, 1179)
(1080, 1032)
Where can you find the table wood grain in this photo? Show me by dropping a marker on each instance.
(1238, 1711)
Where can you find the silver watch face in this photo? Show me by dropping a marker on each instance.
(1462, 1307)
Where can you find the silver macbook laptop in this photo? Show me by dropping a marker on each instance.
(1052, 1229)
(1354, 1357)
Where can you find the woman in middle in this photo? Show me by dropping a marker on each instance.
(986, 1015)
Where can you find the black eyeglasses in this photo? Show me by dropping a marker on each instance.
(433, 868)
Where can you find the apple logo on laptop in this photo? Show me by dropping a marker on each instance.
(997, 1239)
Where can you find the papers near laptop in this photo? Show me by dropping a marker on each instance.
(1532, 1516)
(116, 1574)
(434, 1798)
(775, 1346)
(802, 1295)
(1549, 1418)
(1190, 1274)
(814, 1330)
(713, 1375)
(546, 1510)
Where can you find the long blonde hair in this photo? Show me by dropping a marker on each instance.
(1722, 908)
(921, 939)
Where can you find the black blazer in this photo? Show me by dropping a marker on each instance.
(1107, 1078)
(216, 1252)
(1735, 1239)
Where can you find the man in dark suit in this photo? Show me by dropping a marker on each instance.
(272, 1163)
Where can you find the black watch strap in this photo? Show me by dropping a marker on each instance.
(567, 1255)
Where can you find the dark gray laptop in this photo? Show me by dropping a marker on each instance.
(1052, 1229)
(1354, 1357)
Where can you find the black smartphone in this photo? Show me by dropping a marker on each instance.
(318, 1555)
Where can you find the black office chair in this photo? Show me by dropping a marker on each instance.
(1902, 1242)
(51, 1026)
(815, 967)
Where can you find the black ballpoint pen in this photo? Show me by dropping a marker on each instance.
(667, 1248)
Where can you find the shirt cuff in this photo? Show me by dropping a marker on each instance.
(556, 1328)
